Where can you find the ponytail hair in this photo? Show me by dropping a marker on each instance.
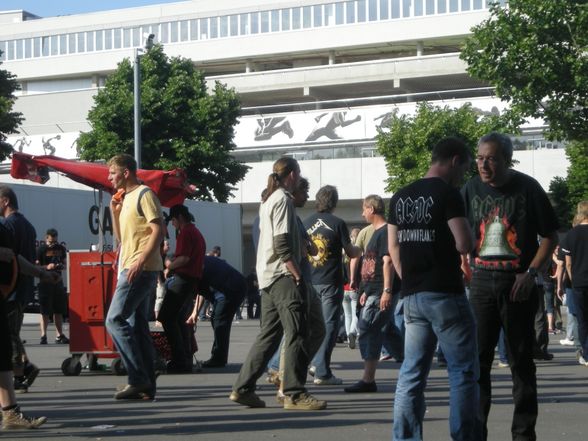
(282, 168)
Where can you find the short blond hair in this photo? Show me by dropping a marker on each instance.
(582, 211)
(124, 161)
(376, 202)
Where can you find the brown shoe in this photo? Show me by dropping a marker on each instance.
(139, 392)
(14, 419)
(303, 401)
(249, 399)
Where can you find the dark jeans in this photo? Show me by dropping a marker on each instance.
(173, 318)
(223, 309)
(283, 312)
(15, 315)
(489, 297)
(5, 340)
(331, 297)
(581, 308)
(253, 302)
(541, 334)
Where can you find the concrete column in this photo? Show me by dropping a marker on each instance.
(420, 48)
(332, 57)
(248, 66)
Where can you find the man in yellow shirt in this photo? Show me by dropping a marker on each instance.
(138, 226)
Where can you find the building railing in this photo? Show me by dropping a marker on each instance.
(337, 13)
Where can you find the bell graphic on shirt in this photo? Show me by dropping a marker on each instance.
(495, 245)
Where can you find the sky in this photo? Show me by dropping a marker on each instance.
(52, 8)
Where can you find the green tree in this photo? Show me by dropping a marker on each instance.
(182, 124)
(9, 120)
(559, 196)
(535, 52)
(407, 145)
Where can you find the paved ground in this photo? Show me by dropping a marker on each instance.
(197, 407)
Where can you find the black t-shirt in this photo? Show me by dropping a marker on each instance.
(507, 221)
(55, 253)
(372, 272)
(24, 237)
(6, 269)
(330, 235)
(561, 256)
(575, 245)
(430, 261)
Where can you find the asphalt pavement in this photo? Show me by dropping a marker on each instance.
(196, 406)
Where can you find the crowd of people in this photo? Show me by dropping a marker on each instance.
(451, 269)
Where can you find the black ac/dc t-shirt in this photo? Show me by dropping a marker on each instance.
(507, 221)
(330, 235)
(430, 261)
(372, 264)
(575, 245)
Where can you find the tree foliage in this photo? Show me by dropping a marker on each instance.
(407, 145)
(9, 119)
(182, 124)
(535, 52)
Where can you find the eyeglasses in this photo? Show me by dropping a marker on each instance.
(491, 159)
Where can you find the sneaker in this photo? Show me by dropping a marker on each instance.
(312, 371)
(273, 377)
(361, 386)
(30, 373)
(62, 340)
(249, 399)
(139, 392)
(566, 342)
(15, 419)
(352, 339)
(331, 381)
(43, 340)
(581, 360)
(280, 397)
(20, 387)
(303, 401)
(503, 364)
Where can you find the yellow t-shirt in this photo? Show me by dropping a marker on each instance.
(135, 229)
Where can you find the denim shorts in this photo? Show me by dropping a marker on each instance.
(371, 322)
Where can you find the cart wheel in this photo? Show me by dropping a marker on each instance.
(71, 367)
(118, 367)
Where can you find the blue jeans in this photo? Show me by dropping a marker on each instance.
(128, 324)
(350, 310)
(331, 298)
(502, 355)
(393, 343)
(432, 316)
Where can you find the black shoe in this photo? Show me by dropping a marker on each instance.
(212, 364)
(546, 356)
(30, 373)
(62, 340)
(20, 386)
(361, 386)
(173, 367)
(43, 340)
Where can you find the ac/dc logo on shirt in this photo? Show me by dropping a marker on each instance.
(504, 207)
(409, 211)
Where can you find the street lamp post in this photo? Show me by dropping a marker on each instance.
(137, 95)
